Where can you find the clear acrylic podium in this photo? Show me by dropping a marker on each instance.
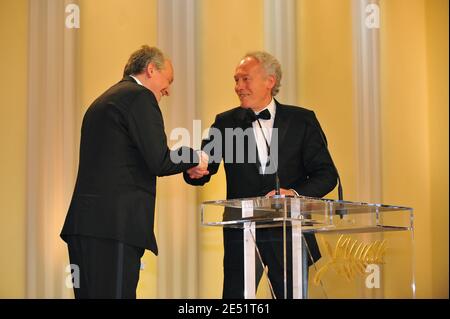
(367, 249)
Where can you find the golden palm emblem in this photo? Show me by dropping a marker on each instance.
(351, 257)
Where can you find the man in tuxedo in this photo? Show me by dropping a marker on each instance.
(302, 163)
(123, 150)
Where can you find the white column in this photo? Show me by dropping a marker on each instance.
(178, 219)
(281, 41)
(366, 58)
(52, 145)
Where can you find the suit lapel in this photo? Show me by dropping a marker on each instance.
(241, 122)
(239, 119)
(280, 122)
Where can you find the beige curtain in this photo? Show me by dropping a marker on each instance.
(177, 210)
(54, 120)
(52, 145)
(280, 39)
(366, 66)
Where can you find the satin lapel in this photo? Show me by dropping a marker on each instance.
(239, 117)
(280, 122)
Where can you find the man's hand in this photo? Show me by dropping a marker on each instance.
(202, 168)
(288, 192)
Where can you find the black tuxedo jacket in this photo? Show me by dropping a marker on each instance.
(302, 158)
(122, 151)
(303, 162)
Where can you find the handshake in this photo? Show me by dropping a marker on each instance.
(202, 168)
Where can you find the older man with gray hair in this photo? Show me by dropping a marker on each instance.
(303, 166)
(123, 150)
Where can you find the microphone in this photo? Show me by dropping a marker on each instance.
(250, 118)
(277, 183)
(339, 211)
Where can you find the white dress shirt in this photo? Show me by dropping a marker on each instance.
(137, 80)
(267, 127)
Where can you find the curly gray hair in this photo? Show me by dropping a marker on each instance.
(270, 65)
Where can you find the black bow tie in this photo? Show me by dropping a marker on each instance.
(250, 116)
(264, 115)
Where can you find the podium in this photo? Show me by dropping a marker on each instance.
(367, 250)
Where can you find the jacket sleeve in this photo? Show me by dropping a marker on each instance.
(146, 127)
(320, 169)
(213, 145)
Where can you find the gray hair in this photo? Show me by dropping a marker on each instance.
(140, 59)
(270, 65)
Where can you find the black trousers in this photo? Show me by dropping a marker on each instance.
(107, 269)
(270, 245)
